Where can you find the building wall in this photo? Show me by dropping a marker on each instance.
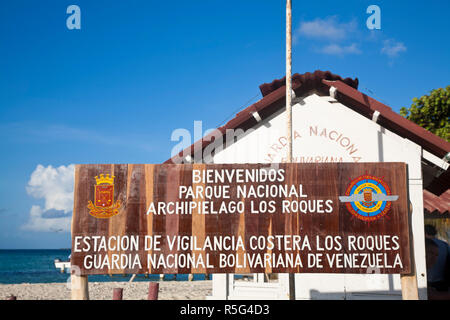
(327, 131)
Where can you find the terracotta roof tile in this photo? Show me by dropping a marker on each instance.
(311, 79)
(436, 204)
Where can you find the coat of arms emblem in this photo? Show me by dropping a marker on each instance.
(104, 205)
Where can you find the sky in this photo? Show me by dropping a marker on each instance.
(115, 90)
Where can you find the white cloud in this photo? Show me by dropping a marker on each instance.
(334, 32)
(336, 49)
(329, 28)
(55, 186)
(391, 48)
(38, 222)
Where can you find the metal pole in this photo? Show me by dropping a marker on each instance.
(288, 78)
(289, 109)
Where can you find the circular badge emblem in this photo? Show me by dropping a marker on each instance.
(368, 198)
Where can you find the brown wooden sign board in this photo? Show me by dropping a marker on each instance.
(241, 218)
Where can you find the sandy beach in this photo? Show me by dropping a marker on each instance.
(168, 290)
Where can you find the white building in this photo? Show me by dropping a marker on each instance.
(332, 122)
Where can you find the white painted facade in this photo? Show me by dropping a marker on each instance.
(327, 131)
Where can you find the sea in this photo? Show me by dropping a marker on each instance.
(37, 266)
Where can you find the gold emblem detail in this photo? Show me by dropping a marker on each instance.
(104, 206)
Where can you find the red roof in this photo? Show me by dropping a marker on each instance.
(436, 206)
(320, 82)
(389, 119)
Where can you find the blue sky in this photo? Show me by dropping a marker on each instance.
(114, 91)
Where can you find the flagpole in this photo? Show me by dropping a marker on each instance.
(288, 78)
(289, 109)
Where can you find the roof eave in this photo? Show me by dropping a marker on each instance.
(389, 119)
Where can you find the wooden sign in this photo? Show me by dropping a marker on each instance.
(241, 218)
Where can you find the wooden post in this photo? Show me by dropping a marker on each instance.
(410, 290)
(289, 109)
(117, 293)
(78, 283)
(153, 289)
(80, 289)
